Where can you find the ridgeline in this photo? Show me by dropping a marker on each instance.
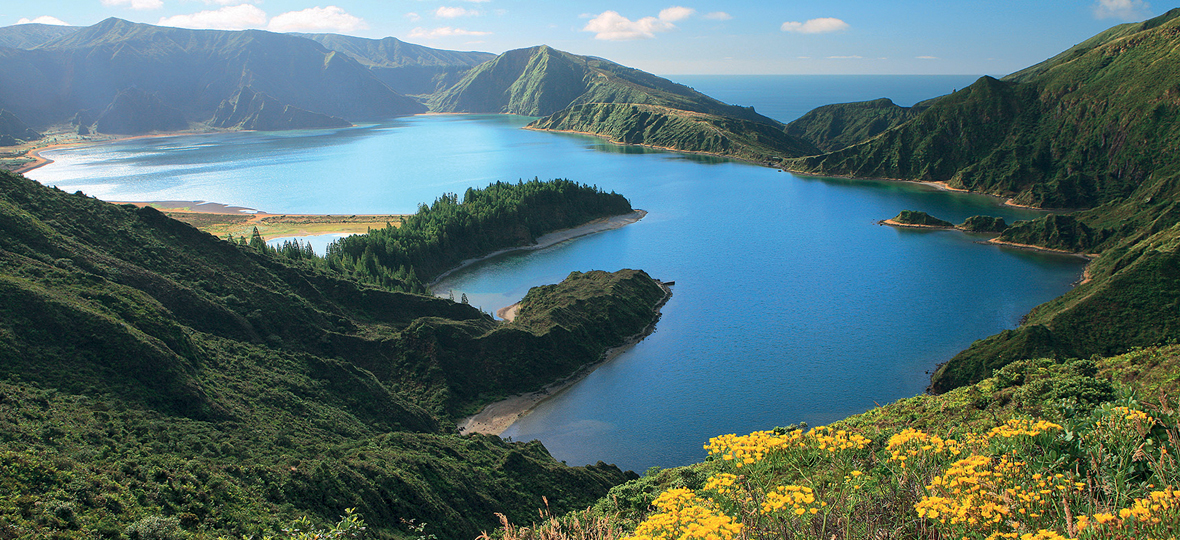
(154, 377)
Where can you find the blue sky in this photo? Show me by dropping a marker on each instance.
(669, 37)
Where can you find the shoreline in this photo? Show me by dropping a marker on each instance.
(552, 239)
(1030, 247)
(893, 223)
(498, 416)
(766, 164)
(41, 161)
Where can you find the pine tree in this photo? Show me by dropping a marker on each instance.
(256, 241)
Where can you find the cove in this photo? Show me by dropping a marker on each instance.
(791, 304)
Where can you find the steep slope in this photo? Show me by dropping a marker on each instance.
(28, 36)
(190, 70)
(248, 109)
(595, 96)
(1072, 133)
(661, 127)
(186, 378)
(405, 67)
(540, 81)
(13, 131)
(837, 126)
(134, 111)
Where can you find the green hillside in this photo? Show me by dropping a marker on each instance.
(247, 109)
(663, 127)
(153, 375)
(837, 126)
(540, 81)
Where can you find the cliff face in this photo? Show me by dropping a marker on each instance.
(134, 111)
(13, 131)
(257, 111)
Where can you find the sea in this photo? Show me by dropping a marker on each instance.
(791, 303)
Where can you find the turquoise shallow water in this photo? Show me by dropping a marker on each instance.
(791, 304)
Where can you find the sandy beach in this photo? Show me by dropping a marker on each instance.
(892, 223)
(508, 313)
(498, 416)
(553, 238)
(1030, 247)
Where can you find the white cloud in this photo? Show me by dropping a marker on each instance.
(413, 17)
(849, 57)
(1121, 9)
(135, 4)
(228, 2)
(927, 58)
(610, 26)
(316, 19)
(444, 31)
(815, 26)
(676, 13)
(44, 19)
(718, 16)
(444, 12)
(239, 17)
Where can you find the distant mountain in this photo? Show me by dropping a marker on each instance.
(193, 71)
(591, 95)
(248, 109)
(405, 67)
(13, 131)
(136, 111)
(28, 36)
(540, 81)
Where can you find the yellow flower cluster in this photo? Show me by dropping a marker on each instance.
(1042, 534)
(1017, 427)
(1159, 507)
(831, 440)
(910, 443)
(800, 499)
(722, 483)
(747, 449)
(972, 492)
(682, 515)
(1136, 416)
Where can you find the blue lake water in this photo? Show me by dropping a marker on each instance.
(791, 303)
